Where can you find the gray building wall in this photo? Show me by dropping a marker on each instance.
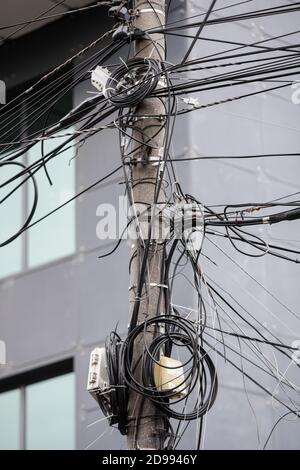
(66, 308)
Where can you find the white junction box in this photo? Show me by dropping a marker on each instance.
(99, 78)
(98, 380)
(169, 377)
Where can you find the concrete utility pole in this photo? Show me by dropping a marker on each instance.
(146, 426)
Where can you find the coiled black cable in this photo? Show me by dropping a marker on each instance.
(118, 390)
(132, 82)
(201, 370)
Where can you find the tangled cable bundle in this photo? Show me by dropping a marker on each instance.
(199, 381)
(216, 319)
(132, 82)
(118, 390)
(200, 374)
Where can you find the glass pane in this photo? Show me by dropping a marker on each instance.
(54, 237)
(11, 222)
(10, 420)
(50, 414)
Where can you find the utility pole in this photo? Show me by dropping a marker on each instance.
(146, 424)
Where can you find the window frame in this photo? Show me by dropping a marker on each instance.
(22, 380)
(25, 267)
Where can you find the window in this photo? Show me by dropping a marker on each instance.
(10, 420)
(39, 415)
(54, 237)
(50, 414)
(11, 213)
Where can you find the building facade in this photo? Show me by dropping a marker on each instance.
(58, 300)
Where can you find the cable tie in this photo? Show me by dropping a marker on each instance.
(153, 284)
(152, 159)
(192, 101)
(150, 10)
(124, 141)
(139, 118)
(162, 83)
(113, 386)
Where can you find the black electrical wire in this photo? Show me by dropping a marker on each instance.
(29, 225)
(132, 82)
(24, 25)
(202, 24)
(274, 427)
(33, 207)
(283, 9)
(56, 15)
(118, 392)
(185, 334)
(128, 85)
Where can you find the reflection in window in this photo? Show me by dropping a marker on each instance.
(10, 223)
(50, 414)
(54, 237)
(39, 415)
(10, 420)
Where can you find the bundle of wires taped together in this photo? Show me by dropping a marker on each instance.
(118, 393)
